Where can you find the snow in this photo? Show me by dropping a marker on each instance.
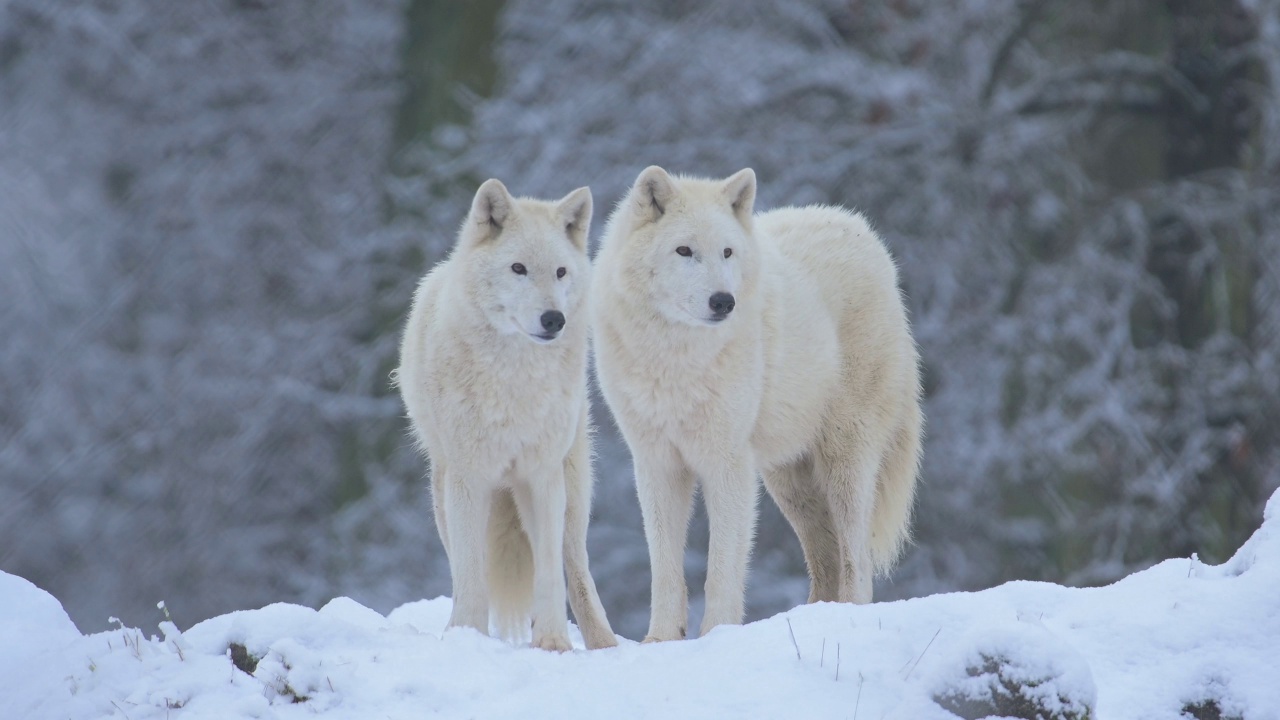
(1176, 635)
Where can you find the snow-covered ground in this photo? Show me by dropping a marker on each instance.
(1180, 635)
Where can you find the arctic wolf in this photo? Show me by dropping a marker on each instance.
(493, 374)
(728, 345)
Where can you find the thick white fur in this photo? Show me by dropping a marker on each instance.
(812, 380)
(501, 411)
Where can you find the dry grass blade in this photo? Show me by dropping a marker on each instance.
(793, 640)
(922, 652)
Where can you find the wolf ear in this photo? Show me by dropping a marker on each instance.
(652, 194)
(740, 191)
(574, 211)
(489, 211)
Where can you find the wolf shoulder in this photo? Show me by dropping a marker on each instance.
(826, 237)
(423, 322)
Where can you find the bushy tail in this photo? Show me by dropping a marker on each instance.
(896, 490)
(510, 569)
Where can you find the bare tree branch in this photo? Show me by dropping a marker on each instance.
(1031, 13)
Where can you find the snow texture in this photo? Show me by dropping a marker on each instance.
(1148, 646)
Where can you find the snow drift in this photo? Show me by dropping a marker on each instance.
(1181, 637)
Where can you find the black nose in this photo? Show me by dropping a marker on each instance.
(721, 303)
(552, 321)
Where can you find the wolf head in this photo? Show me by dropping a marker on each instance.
(685, 245)
(525, 261)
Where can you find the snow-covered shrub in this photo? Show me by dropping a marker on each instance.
(1000, 687)
(1018, 671)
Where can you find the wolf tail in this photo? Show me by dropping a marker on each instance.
(896, 490)
(510, 570)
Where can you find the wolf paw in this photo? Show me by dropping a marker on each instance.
(553, 643)
(674, 633)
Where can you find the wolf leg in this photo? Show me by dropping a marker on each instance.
(665, 489)
(731, 507)
(437, 504)
(542, 510)
(804, 503)
(850, 480)
(583, 598)
(466, 513)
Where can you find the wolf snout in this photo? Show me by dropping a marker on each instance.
(721, 305)
(553, 321)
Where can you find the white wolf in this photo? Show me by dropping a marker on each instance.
(729, 344)
(493, 374)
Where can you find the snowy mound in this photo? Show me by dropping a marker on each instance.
(1181, 637)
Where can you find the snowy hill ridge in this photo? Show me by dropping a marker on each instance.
(1181, 639)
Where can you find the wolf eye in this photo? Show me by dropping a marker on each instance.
(518, 269)
(560, 272)
(728, 252)
(684, 251)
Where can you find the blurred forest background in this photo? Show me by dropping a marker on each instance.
(213, 214)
